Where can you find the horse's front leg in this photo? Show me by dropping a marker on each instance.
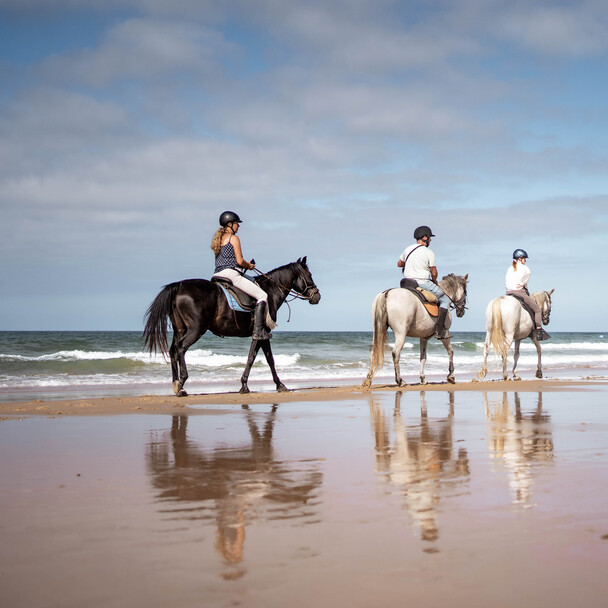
(539, 367)
(281, 388)
(448, 347)
(253, 352)
(516, 359)
(423, 343)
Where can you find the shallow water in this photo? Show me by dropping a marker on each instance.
(432, 497)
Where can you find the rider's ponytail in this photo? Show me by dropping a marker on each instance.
(216, 241)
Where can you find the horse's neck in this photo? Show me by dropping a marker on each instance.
(278, 285)
(447, 288)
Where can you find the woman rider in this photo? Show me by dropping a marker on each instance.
(516, 281)
(230, 264)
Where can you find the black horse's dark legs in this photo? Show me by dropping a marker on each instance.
(253, 352)
(173, 357)
(270, 360)
(183, 344)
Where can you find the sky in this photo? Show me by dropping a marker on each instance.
(332, 127)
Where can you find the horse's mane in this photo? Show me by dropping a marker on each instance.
(281, 275)
(451, 282)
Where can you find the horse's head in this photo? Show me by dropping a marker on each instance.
(455, 288)
(304, 284)
(543, 299)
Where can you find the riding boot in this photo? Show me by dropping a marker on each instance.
(259, 327)
(541, 334)
(441, 333)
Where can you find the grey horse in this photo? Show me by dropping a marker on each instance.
(405, 314)
(508, 322)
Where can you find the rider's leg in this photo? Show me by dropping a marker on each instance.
(444, 305)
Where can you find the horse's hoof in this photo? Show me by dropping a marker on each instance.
(451, 380)
(244, 390)
(281, 388)
(516, 378)
(539, 374)
(423, 381)
(182, 393)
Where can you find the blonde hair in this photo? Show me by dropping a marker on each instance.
(216, 241)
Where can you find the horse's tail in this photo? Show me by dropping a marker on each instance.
(155, 328)
(380, 341)
(497, 334)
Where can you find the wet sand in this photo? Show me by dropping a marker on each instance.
(470, 494)
(154, 404)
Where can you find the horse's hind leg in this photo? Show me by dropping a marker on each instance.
(423, 344)
(182, 345)
(516, 359)
(486, 348)
(281, 388)
(399, 342)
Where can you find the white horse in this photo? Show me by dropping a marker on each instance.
(508, 322)
(405, 314)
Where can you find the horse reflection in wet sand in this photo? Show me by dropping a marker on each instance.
(237, 482)
(520, 441)
(420, 462)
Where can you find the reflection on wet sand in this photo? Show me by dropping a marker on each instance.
(420, 462)
(236, 484)
(519, 440)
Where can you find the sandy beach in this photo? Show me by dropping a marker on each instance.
(154, 404)
(468, 494)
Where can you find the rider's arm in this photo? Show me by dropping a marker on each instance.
(433, 270)
(238, 254)
(400, 263)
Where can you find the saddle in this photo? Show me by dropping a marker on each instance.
(428, 299)
(237, 299)
(240, 301)
(525, 307)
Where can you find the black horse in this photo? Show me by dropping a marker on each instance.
(195, 306)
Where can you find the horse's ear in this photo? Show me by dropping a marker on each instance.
(466, 277)
(551, 291)
(303, 260)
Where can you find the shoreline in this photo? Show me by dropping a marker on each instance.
(169, 404)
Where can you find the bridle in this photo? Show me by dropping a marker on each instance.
(461, 304)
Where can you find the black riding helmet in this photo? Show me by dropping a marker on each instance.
(519, 253)
(229, 216)
(422, 231)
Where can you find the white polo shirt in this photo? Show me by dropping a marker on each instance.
(418, 263)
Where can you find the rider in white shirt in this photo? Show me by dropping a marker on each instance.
(516, 281)
(418, 263)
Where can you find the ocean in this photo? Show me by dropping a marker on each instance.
(77, 364)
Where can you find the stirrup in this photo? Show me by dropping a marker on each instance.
(541, 335)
